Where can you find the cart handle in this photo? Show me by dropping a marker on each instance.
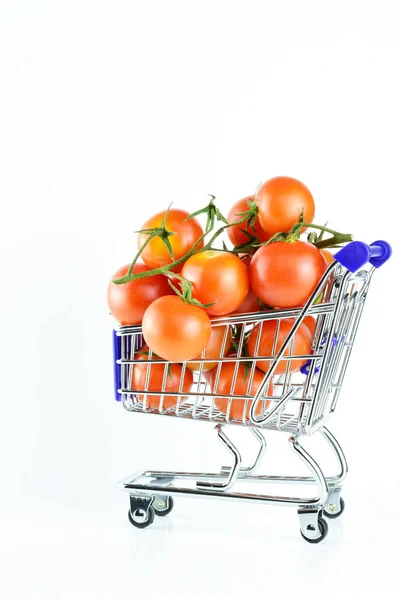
(117, 368)
(356, 254)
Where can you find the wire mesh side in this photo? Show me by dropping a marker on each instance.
(314, 392)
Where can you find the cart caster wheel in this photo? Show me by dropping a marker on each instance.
(163, 506)
(139, 518)
(323, 529)
(335, 513)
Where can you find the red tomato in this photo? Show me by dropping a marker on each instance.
(302, 344)
(128, 301)
(219, 278)
(280, 201)
(285, 274)
(240, 387)
(250, 303)
(155, 381)
(329, 257)
(235, 233)
(174, 330)
(310, 323)
(214, 347)
(156, 254)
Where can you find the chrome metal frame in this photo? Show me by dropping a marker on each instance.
(300, 404)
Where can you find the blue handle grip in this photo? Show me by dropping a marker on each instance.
(117, 368)
(356, 254)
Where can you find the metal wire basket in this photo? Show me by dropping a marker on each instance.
(297, 394)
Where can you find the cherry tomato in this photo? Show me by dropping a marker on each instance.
(219, 278)
(329, 257)
(249, 304)
(285, 274)
(128, 301)
(241, 387)
(220, 339)
(156, 254)
(155, 380)
(310, 323)
(280, 201)
(235, 233)
(174, 330)
(302, 344)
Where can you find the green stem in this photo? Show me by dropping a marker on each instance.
(334, 241)
(337, 238)
(167, 268)
(128, 274)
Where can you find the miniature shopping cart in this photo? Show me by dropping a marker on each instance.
(298, 403)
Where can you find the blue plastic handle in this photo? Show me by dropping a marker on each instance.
(117, 368)
(356, 254)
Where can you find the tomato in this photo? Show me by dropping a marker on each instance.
(156, 254)
(174, 330)
(128, 301)
(280, 201)
(329, 257)
(310, 323)
(302, 343)
(240, 387)
(220, 278)
(214, 347)
(285, 274)
(155, 381)
(235, 233)
(249, 304)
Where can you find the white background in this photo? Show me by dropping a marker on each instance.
(109, 111)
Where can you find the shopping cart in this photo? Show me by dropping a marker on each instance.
(297, 402)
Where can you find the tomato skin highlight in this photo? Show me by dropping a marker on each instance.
(156, 375)
(174, 330)
(302, 344)
(218, 278)
(236, 236)
(240, 387)
(156, 254)
(214, 347)
(280, 202)
(128, 301)
(285, 274)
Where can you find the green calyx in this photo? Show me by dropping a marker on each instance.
(186, 292)
(212, 213)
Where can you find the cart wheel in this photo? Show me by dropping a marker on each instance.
(336, 513)
(323, 528)
(163, 506)
(139, 518)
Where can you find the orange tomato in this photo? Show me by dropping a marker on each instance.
(328, 256)
(218, 278)
(285, 274)
(128, 301)
(310, 323)
(241, 387)
(174, 330)
(280, 201)
(302, 343)
(249, 304)
(155, 381)
(219, 336)
(236, 232)
(156, 254)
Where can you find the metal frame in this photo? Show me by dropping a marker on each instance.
(300, 404)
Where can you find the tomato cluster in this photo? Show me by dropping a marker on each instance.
(182, 281)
